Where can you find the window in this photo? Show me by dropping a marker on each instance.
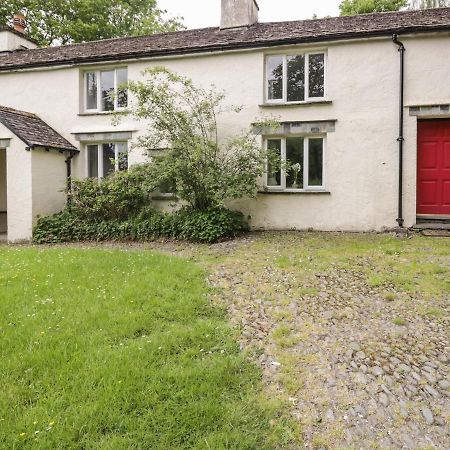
(296, 163)
(106, 158)
(295, 78)
(105, 91)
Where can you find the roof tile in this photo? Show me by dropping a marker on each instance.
(33, 130)
(212, 39)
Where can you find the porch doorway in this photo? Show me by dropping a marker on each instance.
(3, 195)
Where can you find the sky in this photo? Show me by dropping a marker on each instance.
(206, 13)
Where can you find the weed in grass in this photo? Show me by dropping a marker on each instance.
(376, 281)
(307, 291)
(284, 337)
(433, 311)
(399, 321)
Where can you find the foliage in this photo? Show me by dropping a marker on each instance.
(122, 350)
(207, 226)
(354, 7)
(53, 22)
(118, 196)
(183, 119)
(202, 226)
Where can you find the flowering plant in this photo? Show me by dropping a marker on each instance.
(296, 169)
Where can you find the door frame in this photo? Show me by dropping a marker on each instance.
(421, 119)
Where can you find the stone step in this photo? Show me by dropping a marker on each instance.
(432, 226)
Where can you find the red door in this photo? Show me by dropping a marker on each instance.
(433, 167)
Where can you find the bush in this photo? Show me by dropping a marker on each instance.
(118, 196)
(202, 226)
(211, 225)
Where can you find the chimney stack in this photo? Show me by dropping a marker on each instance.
(19, 23)
(239, 13)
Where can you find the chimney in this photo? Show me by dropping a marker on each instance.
(12, 39)
(239, 13)
(19, 23)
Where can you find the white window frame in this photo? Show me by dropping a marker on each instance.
(100, 156)
(99, 90)
(306, 186)
(307, 99)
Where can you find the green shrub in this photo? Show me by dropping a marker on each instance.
(118, 196)
(211, 225)
(202, 226)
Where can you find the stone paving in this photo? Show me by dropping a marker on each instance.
(362, 366)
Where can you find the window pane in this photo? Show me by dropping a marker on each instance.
(274, 164)
(91, 90)
(296, 78)
(274, 67)
(108, 159)
(122, 92)
(167, 187)
(294, 159)
(122, 154)
(92, 153)
(317, 75)
(107, 82)
(315, 156)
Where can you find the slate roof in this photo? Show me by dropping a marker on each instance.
(215, 39)
(33, 130)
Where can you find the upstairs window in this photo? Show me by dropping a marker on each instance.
(106, 158)
(105, 90)
(295, 78)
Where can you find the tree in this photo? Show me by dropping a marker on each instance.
(52, 22)
(354, 7)
(424, 4)
(202, 169)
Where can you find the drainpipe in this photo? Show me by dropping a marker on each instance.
(69, 175)
(400, 139)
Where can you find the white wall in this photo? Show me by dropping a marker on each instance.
(19, 196)
(48, 182)
(10, 41)
(361, 155)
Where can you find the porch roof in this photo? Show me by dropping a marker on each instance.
(33, 130)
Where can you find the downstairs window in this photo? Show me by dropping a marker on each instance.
(106, 158)
(295, 163)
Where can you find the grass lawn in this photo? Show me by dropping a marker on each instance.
(108, 349)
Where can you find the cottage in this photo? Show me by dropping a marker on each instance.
(364, 104)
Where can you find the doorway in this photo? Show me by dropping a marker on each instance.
(433, 168)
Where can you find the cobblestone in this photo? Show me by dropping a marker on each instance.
(363, 382)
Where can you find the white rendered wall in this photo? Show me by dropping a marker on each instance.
(48, 182)
(361, 169)
(19, 196)
(10, 41)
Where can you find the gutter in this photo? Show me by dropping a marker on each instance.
(400, 139)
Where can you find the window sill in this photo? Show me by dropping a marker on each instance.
(99, 113)
(295, 104)
(293, 192)
(166, 198)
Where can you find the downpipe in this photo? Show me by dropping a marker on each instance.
(68, 162)
(400, 139)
